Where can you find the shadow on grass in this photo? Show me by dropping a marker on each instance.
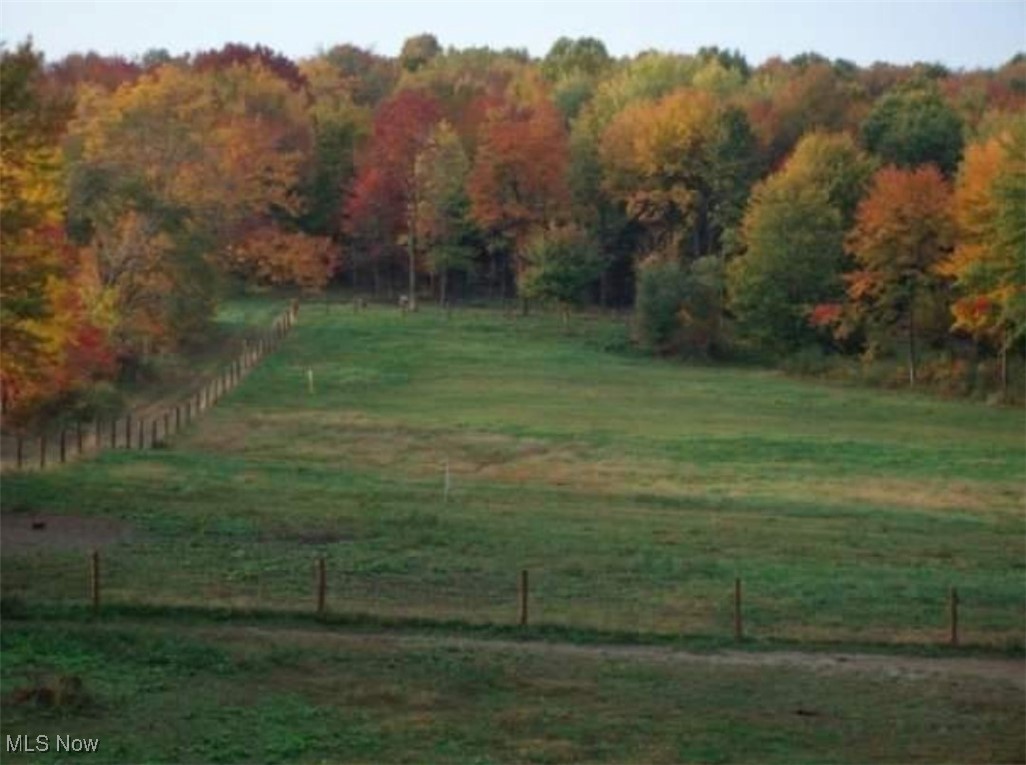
(16, 609)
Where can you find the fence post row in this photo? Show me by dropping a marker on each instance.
(226, 381)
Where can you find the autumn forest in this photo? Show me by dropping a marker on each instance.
(802, 209)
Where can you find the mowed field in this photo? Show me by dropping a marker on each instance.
(633, 491)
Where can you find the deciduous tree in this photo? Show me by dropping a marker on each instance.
(792, 261)
(912, 125)
(443, 214)
(387, 185)
(561, 262)
(518, 181)
(989, 260)
(903, 230)
(50, 345)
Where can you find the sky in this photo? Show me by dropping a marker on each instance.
(963, 34)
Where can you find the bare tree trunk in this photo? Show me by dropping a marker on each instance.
(413, 272)
(1004, 365)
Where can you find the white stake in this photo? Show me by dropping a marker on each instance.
(309, 380)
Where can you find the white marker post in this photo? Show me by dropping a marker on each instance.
(309, 380)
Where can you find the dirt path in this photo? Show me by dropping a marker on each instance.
(1003, 671)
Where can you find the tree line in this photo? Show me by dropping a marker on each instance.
(868, 212)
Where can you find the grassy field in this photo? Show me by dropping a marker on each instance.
(633, 490)
(158, 693)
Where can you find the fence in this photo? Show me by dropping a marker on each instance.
(293, 582)
(137, 430)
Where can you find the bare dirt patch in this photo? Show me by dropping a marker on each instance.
(1010, 671)
(25, 531)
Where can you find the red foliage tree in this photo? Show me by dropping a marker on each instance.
(519, 178)
(239, 54)
(381, 209)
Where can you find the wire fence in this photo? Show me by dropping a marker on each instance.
(143, 428)
(273, 579)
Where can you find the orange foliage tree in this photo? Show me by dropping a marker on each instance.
(903, 229)
(658, 159)
(50, 344)
(518, 181)
(989, 261)
(169, 172)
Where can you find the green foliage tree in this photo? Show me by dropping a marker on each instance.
(679, 304)
(560, 264)
(912, 125)
(418, 51)
(444, 226)
(568, 57)
(835, 164)
(792, 262)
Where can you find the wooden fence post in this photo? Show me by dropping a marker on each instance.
(167, 424)
(64, 445)
(738, 623)
(128, 430)
(142, 433)
(523, 597)
(178, 417)
(114, 433)
(42, 451)
(322, 586)
(94, 580)
(97, 433)
(953, 603)
(153, 433)
(78, 436)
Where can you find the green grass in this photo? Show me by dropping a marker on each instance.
(157, 693)
(633, 490)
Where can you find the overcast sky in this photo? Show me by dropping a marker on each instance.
(981, 33)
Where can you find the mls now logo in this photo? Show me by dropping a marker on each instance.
(41, 743)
